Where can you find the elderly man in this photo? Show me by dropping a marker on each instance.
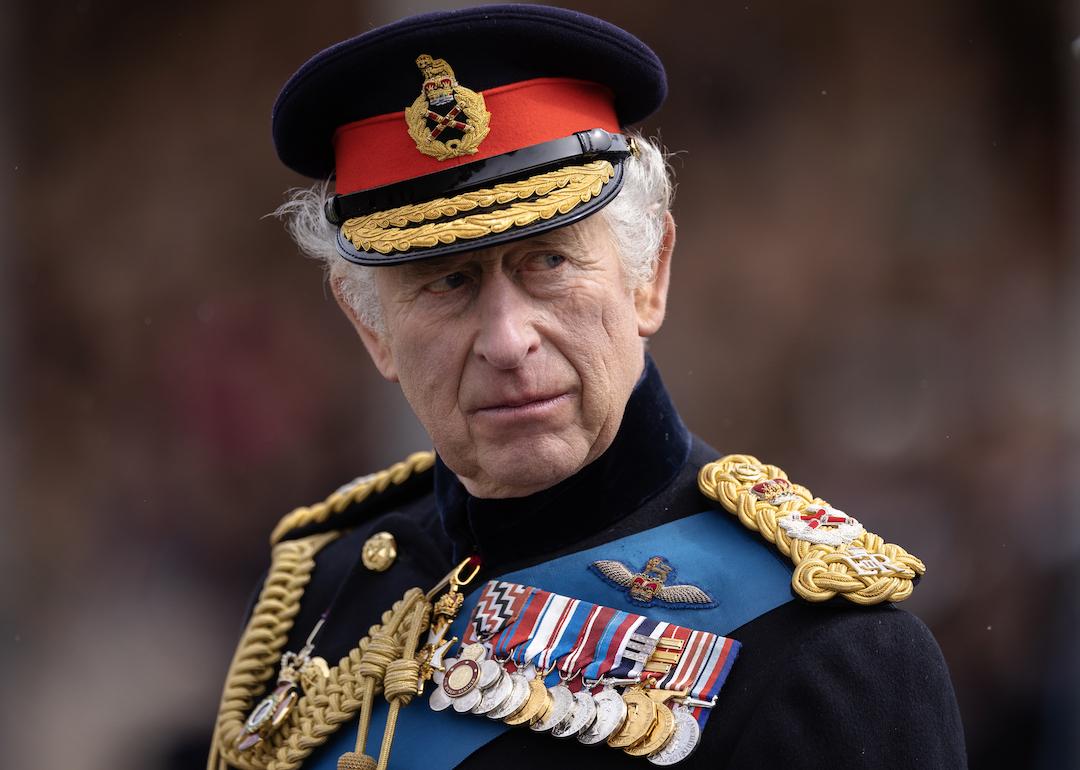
(565, 570)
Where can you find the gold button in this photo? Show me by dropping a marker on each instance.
(379, 552)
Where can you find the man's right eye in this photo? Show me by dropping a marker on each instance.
(446, 283)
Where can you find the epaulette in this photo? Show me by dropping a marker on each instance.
(832, 552)
(352, 501)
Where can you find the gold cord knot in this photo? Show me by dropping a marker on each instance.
(401, 678)
(382, 650)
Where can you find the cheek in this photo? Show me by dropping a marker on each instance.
(429, 372)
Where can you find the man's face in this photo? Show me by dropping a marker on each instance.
(518, 359)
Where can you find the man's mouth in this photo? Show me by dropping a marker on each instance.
(523, 405)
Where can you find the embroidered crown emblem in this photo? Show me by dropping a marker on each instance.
(446, 120)
(649, 587)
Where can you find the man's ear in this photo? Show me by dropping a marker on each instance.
(650, 299)
(376, 342)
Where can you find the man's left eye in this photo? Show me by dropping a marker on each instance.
(544, 261)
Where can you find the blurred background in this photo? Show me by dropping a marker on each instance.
(876, 287)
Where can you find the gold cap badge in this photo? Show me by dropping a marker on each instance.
(447, 120)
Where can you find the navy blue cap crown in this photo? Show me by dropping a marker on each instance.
(488, 46)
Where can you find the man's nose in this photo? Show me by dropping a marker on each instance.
(507, 333)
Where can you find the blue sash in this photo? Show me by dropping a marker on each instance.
(744, 576)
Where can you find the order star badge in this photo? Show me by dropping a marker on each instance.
(447, 120)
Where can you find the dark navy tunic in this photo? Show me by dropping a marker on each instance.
(813, 685)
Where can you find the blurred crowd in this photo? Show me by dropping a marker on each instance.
(875, 287)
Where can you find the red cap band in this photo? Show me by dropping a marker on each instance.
(379, 151)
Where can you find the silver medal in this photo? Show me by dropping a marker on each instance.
(474, 651)
(468, 701)
(610, 715)
(496, 695)
(439, 700)
(580, 717)
(562, 703)
(518, 695)
(490, 672)
(437, 675)
(682, 742)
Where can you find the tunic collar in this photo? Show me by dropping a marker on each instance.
(652, 445)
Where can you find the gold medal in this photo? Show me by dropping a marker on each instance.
(539, 702)
(658, 736)
(640, 719)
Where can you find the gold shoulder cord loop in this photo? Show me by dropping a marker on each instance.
(864, 569)
(357, 492)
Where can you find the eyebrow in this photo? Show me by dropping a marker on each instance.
(421, 269)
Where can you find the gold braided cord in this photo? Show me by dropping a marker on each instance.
(418, 462)
(402, 677)
(539, 197)
(325, 703)
(261, 646)
(821, 571)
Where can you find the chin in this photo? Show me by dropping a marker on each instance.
(521, 468)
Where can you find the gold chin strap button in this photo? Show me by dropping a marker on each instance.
(379, 552)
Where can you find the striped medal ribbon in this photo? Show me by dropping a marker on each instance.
(703, 666)
(638, 648)
(509, 642)
(581, 653)
(612, 640)
(561, 633)
(498, 605)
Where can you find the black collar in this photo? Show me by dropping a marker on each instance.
(652, 445)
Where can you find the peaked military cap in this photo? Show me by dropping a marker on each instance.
(461, 129)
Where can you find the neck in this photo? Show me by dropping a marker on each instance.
(651, 446)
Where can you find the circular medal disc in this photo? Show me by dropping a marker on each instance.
(683, 742)
(537, 704)
(439, 700)
(610, 715)
(640, 719)
(266, 713)
(658, 737)
(518, 695)
(284, 707)
(496, 695)
(437, 675)
(562, 703)
(468, 701)
(461, 678)
(260, 713)
(474, 651)
(490, 673)
(580, 717)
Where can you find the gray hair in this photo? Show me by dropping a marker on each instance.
(635, 218)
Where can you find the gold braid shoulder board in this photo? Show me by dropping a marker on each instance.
(833, 554)
(343, 507)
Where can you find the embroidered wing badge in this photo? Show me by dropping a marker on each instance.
(648, 587)
(832, 552)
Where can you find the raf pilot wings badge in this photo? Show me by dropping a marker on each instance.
(647, 588)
